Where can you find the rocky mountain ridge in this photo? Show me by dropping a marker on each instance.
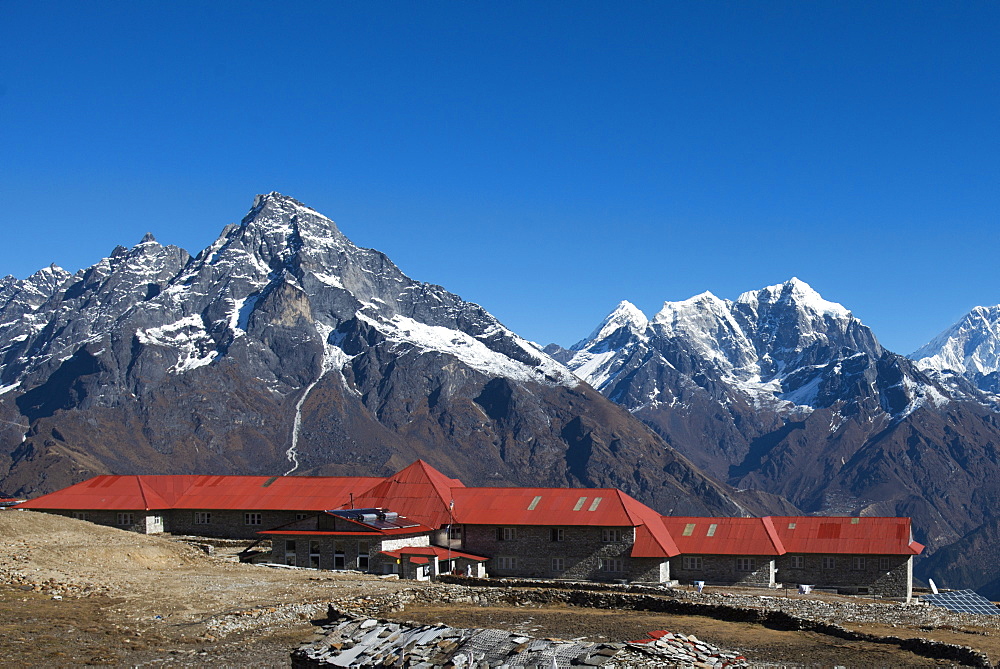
(285, 348)
(783, 391)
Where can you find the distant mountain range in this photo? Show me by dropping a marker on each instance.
(283, 347)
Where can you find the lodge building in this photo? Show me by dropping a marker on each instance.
(419, 523)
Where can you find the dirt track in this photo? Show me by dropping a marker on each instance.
(74, 593)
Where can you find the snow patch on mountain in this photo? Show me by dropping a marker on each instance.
(187, 338)
(970, 346)
(471, 351)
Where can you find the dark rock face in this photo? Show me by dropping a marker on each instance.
(783, 392)
(283, 347)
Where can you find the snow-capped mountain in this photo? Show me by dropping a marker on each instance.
(783, 391)
(284, 347)
(970, 348)
(775, 346)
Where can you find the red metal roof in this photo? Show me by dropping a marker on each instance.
(419, 492)
(442, 553)
(724, 536)
(156, 492)
(601, 507)
(845, 534)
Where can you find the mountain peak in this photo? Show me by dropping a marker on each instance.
(147, 238)
(626, 315)
(970, 346)
(795, 291)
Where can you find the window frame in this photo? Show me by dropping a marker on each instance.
(507, 562)
(611, 565)
(612, 535)
(746, 564)
(506, 534)
(693, 563)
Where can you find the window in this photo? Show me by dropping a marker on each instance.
(81, 515)
(251, 518)
(883, 564)
(339, 558)
(363, 555)
(290, 551)
(688, 530)
(558, 534)
(301, 516)
(507, 563)
(711, 530)
(693, 562)
(610, 565)
(611, 535)
(745, 564)
(202, 517)
(829, 562)
(126, 518)
(314, 554)
(455, 533)
(797, 562)
(858, 563)
(506, 534)
(558, 565)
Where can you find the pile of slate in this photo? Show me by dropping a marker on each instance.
(367, 642)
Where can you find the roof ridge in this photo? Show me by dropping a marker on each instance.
(142, 492)
(772, 534)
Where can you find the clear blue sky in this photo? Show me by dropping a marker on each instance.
(544, 159)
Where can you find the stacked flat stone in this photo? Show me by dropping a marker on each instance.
(368, 642)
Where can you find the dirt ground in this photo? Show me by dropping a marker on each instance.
(73, 593)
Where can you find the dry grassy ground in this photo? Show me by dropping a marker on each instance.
(73, 593)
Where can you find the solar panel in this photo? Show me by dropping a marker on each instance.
(963, 601)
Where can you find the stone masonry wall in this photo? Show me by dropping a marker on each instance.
(328, 548)
(722, 570)
(228, 524)
(893, 580)
(581, 549)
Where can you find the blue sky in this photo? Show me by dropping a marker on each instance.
(545, 160)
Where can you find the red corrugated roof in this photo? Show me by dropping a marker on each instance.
(600, 507)
(844, 534)
(419, 492)
(442, 553)
(724, 536)
(252, 493)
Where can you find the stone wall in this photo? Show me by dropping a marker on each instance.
(533, 552)
(228, 524)
(795, 614)
(724, 570)
(343, 552)
(893, 579)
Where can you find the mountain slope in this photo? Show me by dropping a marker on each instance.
(283, 347)
(783, 391)
(969, 349)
